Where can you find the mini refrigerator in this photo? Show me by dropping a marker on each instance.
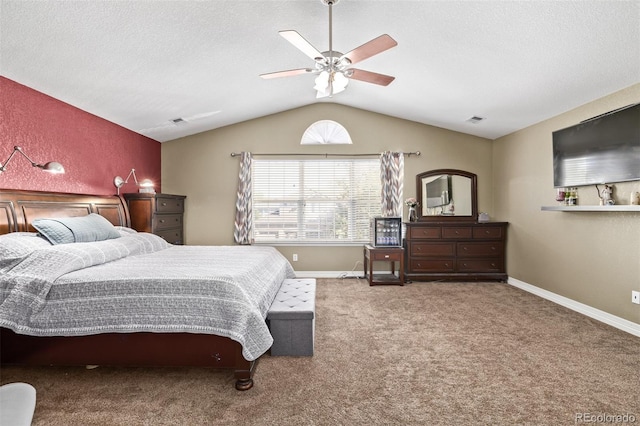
(386, 231)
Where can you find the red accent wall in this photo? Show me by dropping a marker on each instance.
(92, 150)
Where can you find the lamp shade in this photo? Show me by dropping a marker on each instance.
(339, 82)
(53, 167)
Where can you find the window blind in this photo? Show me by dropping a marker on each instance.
(328, 201)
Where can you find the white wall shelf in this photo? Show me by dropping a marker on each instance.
(614, 208)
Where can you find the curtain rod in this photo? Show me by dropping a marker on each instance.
(408, 154)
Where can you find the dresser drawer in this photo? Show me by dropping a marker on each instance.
(432, 249)
(463, 232)
(173, 236)
(488, 249)
(379, 254)
(167, 221)
(422, 232)
(480, 265)
(488, 232)
(169, 205)
(435, 265)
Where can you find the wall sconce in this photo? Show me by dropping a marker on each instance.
(51, 167)
(146, 185)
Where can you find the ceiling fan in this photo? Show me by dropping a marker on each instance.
(334, 68)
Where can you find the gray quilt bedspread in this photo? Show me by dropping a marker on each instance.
(139, 283)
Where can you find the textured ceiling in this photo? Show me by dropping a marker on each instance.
(141, 64)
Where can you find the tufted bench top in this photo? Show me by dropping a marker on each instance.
(295, 300)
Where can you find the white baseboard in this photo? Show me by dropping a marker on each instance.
(329, 274)
(597, 314)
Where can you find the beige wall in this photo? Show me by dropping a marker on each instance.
(201, 168)
(593, 258)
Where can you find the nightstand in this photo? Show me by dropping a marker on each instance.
(384, 254)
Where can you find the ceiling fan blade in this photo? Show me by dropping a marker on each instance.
(287, 73)
(301, 43)
(370, 48)
(371, 77)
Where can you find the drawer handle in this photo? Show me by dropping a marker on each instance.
(465, 265)
(493, 248)
(446, 264)
(486, 231)
(465, 248)
(161, 220)
(164, 204)
(457, 233)
(418, 248)
(386, 256)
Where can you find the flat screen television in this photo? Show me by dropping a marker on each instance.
(438, 191)
(603, 149)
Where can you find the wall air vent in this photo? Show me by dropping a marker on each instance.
(475, 119)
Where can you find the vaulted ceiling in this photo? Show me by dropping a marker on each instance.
(143, 64)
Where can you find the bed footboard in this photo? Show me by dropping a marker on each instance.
(131, 350)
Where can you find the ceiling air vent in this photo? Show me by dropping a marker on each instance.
(475, 119)
(179, 121)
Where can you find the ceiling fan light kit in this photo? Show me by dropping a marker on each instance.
(334, 68)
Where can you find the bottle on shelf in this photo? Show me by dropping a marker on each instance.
(571, 197)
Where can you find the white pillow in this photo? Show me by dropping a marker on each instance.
(17, 245)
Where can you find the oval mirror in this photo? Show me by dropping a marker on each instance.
(447, 194)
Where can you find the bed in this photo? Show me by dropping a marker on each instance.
(127, 299)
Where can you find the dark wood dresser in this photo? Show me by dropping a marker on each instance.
(160, 214)
(455, 251)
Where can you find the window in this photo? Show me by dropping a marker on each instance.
(315, 201)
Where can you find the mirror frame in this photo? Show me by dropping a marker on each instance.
(441, 218)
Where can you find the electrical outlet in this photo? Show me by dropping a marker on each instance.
(635, 297)
(295, 257)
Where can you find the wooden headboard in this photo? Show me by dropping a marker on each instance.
(18, 209)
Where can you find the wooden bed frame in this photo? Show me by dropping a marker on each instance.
(18, 209)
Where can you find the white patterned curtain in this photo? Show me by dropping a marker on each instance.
(244, 215)
(392, 177)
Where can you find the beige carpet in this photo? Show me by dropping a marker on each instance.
(425, 353)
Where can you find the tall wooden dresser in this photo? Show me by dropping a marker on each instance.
(455, 251)
(160, 214)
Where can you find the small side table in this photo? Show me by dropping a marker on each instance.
(384, 254)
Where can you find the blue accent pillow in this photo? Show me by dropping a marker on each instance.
(81, 229)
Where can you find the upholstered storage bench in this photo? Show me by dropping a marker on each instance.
(291, 318)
